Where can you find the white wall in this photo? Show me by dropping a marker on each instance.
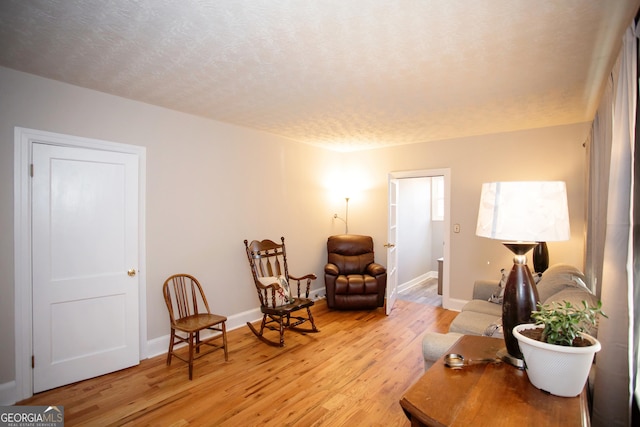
(414, 228)
(554, 153)
(205, 182)
(437, 241)
(209, 186)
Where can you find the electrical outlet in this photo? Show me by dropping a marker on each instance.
(318, 294)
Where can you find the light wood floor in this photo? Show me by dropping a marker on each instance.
(352, 373)
(425, 293)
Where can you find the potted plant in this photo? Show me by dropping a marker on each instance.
(557, 351)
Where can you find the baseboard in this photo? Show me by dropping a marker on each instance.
(8, 393)
(454, 304)
(318, 294)
(417, 281)
(160, 345)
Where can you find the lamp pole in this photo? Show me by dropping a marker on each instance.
(346, 216)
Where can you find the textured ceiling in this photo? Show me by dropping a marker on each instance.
(342, 74)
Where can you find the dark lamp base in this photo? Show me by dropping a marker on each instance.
(540, 258)
(520, 296)
(504, 355)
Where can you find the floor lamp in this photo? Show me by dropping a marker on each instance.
(521, 214)
(346, 216)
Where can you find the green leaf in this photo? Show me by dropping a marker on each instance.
(563, 322)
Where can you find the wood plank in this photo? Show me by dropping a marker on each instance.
(425, 293)
(353, 372)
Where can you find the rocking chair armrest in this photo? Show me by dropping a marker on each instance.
(274, 285)
(310, 276)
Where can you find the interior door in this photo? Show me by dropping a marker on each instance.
(392, 250)
(85, 257)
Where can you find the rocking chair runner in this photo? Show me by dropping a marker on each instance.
(268, 261)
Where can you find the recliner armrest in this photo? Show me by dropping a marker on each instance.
(375, 269)
(331, 269)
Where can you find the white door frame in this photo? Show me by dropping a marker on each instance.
(392, 241)
(446, 253)
(23, 315)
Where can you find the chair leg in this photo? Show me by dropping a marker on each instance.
(191, 355)
(224, 342)
(260, 334)
(263, 324)
(171, 339)
(281, 321)
(313, 323)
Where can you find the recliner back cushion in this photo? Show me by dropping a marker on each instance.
(351, 264)
(559, 277)
(350, 252)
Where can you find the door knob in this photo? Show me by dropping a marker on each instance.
(389, 245)
(131, 272)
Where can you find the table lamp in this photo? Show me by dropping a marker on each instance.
(521, 214)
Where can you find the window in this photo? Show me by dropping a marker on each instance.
(437, 198)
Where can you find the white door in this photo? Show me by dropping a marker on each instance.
(85, 260)
(392, 250)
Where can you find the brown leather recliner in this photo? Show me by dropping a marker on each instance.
(352, 278)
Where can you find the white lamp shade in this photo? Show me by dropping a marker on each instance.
(526, 211)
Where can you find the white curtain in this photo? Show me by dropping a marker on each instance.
(615, 364)
(636, 278)
(599, 160)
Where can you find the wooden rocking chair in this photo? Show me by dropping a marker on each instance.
(278, 300)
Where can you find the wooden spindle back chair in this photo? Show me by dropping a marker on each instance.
(278, 300)
(189, 314)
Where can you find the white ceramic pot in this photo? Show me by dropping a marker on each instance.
(559, 370)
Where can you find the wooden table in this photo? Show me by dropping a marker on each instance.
(487, 394)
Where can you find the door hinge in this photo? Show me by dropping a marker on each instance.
(33, 362)
(31, 170)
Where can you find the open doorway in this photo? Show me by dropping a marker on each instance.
(422, 236)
